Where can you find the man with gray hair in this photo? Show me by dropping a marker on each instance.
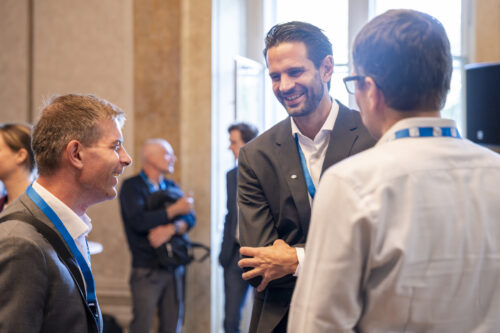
(154, 284)
(46, 284)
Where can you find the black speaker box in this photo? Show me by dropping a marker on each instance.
(483, 103)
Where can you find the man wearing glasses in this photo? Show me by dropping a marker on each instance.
(280, 169)
(410, 241)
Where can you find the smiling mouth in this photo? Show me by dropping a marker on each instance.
(292, 99)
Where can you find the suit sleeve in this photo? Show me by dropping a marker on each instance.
(133, 207)
(257, 227)
(256, 222)
(22, 292)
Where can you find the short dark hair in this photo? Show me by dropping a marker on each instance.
(248, 131)
(317, 44)
(407, 53)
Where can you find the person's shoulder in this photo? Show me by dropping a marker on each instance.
(352, 113)
(18, 234)
(132, 181)
(232, 171)
(171, 183)
(268, 137)
(361, 168)
(482, 154)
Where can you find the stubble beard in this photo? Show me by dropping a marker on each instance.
(310, 105)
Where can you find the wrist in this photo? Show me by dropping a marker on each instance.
(177, 228)
(170, 212)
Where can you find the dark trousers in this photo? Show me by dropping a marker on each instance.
(156, 289)
(235, 289)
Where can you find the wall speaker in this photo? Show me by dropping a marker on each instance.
(483, 103)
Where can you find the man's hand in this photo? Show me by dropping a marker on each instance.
(160, 234)
(270, 262)
(183, 206)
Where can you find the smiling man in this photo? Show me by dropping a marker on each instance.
(279, 170)
(78, 149)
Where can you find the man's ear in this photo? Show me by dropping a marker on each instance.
(326, 68)
(374, 96)
(73, 153)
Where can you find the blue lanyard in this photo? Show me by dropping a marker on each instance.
(162, 186)
(309, 182)
(84, 267)
(426, 132)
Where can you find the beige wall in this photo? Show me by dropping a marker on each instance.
(195, 125)
(487, 31)
(14, 60)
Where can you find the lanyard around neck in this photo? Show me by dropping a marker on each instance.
(309, 182)
(152, 188)
(82, 263)
(426, 132)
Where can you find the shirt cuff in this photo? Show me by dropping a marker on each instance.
(300, 257)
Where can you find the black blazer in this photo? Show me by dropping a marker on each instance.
(230, 247)
(274, 201)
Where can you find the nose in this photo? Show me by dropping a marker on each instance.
(286, 84)
(125, 158)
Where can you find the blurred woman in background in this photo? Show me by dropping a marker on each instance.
(17, 162)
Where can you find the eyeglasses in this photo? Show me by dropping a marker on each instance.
(350, 82)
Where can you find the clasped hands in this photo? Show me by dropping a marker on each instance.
(162, 233)
(269, 262)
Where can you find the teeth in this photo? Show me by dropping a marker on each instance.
(291, 98)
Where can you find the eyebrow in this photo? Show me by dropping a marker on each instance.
(295, 68)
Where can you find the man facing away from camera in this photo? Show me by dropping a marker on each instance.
(153, 285)
(414, 243)
(78, 149)
(279, 171)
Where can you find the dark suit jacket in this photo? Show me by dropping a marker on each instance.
(37, 292)
(274, 201)
(230, 247)
(138, 220)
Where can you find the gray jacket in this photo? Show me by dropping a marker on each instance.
(37, 291)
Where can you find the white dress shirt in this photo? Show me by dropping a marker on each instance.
(78, 227)
(404, 237)
(314, 154)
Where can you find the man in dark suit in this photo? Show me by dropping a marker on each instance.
(235, 288)
(154, 285)
(78, 149)
(279, 170)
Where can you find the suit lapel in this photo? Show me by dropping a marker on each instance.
(290, 166)
(342, 138)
